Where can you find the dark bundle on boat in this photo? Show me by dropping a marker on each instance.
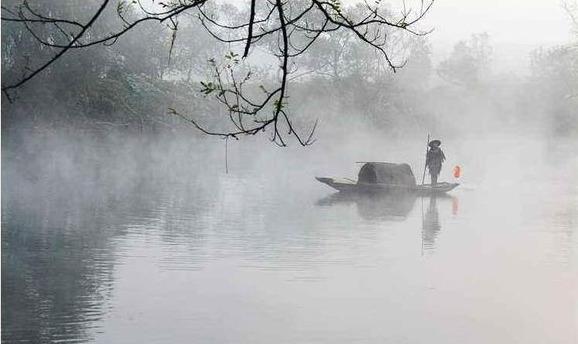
(386, 173)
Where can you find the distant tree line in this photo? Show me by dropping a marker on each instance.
(231, 77)
(285, 30)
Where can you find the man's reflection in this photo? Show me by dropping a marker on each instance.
(430, 224)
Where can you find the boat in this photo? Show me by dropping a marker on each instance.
(386, 177)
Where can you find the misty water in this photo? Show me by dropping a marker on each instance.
(139, 242)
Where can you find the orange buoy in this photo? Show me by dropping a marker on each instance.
(457, 171)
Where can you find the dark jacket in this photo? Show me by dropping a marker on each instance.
(434, 159)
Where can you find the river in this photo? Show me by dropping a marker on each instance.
(103, 246)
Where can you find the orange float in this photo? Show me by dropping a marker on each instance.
(457, 171)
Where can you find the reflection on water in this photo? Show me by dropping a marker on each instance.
(396, 206)
(390, 206)
(186, 255)
(431, 225)
(56, 270)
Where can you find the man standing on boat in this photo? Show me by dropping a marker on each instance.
(434, 159)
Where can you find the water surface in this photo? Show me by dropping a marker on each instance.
(105, 248)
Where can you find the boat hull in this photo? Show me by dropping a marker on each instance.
(348, 185)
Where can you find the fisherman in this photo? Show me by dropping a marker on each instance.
(434, 159)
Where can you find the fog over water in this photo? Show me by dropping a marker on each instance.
(123, 223)
(180, 251)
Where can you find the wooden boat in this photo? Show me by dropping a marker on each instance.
(349, 185)
(385, 177)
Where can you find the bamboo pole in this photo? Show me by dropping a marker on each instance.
(425, 165)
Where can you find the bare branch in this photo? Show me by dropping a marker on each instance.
(60, 53)
(290, 29)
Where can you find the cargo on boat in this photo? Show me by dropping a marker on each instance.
(383, 177)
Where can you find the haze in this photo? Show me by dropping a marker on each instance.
(161, 188)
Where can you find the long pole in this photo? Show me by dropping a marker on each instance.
(425, 165)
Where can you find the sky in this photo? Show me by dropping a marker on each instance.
(528, 22)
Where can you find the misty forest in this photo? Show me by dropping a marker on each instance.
(289, 171)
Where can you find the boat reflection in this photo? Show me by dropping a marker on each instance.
(390, 206)
(396, 206)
